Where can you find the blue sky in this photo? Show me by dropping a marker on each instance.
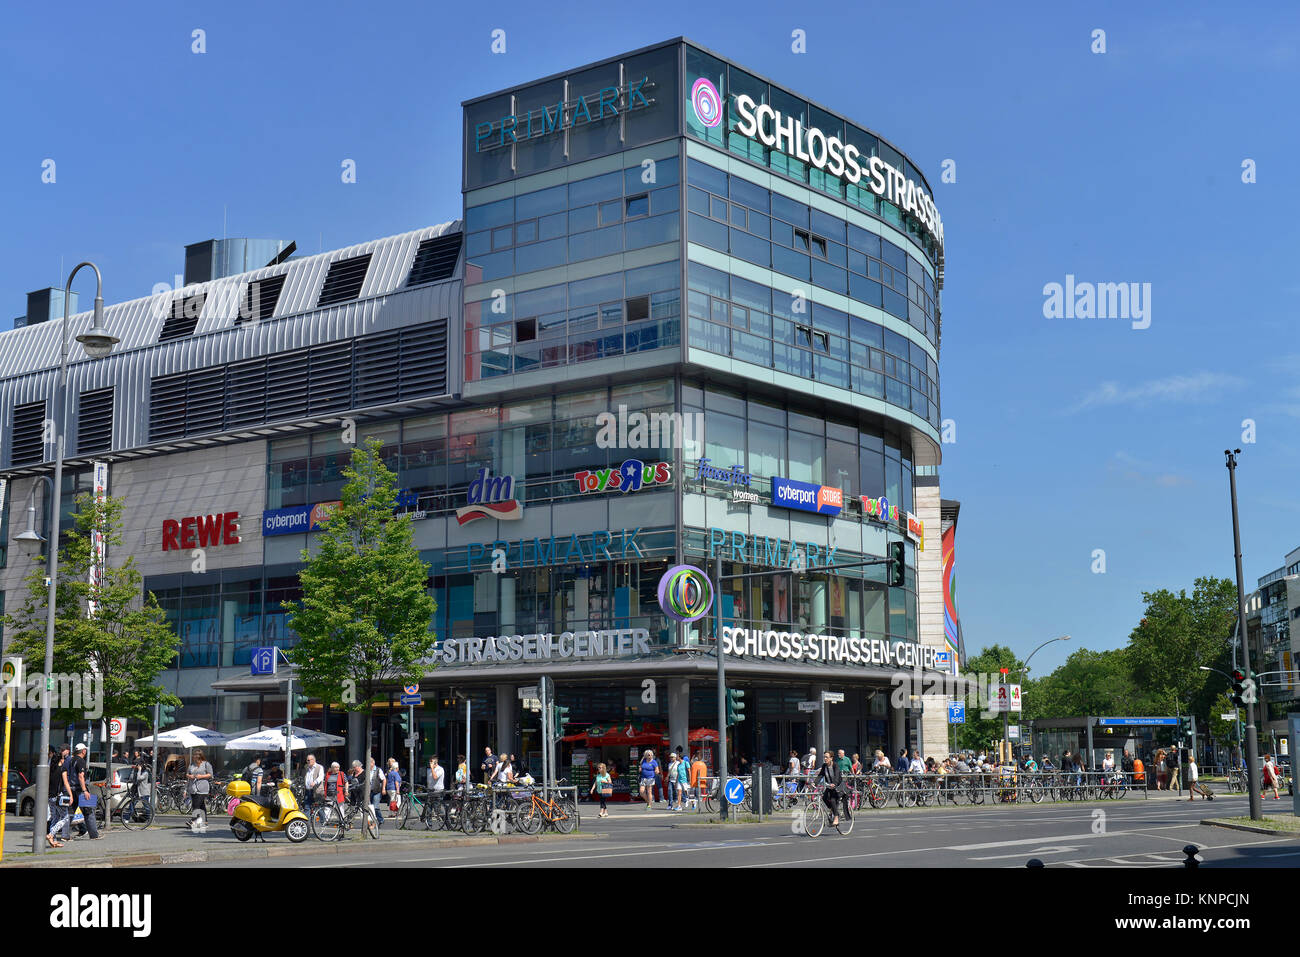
(1125, 166)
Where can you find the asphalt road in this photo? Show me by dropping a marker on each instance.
(1130, 833)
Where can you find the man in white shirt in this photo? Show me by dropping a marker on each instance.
(313, 778)
(810, 760)
(915, 766)
(437, 776)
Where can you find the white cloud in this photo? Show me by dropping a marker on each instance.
(1178, 388)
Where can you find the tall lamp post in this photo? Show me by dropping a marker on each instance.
(97, 343)
(1252, 744)
(1024, 669)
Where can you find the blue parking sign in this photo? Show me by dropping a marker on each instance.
(263, 661)
(956, 712)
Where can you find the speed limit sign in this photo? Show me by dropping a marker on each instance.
(117, 730)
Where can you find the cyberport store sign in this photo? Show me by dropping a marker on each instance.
(786, 134)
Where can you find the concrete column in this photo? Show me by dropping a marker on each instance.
(679, 703)
(506, 615)
(820, 727)
(897, 731)
(817, 609)
(507, 718)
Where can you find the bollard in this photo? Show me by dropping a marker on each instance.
(1033, 862)
(1192, 860)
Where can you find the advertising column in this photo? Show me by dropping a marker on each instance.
(933, 733)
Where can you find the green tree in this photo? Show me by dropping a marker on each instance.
(126, 643)
(980, 732)
(1178, 634)
(365, 620)
(1088, 683)
(1223, 731)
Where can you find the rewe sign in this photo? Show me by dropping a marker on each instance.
(200, 531)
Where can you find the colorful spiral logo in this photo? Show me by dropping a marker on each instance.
(685, 593)
(706, 102)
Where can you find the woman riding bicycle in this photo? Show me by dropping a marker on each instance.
(832, 780)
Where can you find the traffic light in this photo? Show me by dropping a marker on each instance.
(560, 717)
(166, 714)
(298, 705)
(1238, 685)
(897, 567)
(735, 706)
(404, 722)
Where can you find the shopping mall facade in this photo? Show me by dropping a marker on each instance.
(686, 317)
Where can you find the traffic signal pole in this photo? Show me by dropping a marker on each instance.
(1252, 744)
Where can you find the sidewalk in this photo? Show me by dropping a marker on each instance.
(172, 843)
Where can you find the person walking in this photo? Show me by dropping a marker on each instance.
(393, 786)
(312, 780)
(376, 790)
(60, 800)
(699, 779)
(335, 784)
(649, 775)
(1194, 786)
(489, 765)
(602, 787)
(199, 777)
(670, 781)
(683, 782)
(83, 799)
(1175, 762)
(1270, 777)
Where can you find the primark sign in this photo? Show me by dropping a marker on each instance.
(828, 649)
(787, 134)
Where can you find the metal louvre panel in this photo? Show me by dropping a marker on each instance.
(27, 445)
(260, 298)
(376, 368)
(343, 281)
(286, 392)
(330, 388)
(205, 402)
(423, 369)
(246, 393)
(95, 421)
(167, 407)
(183, 318)
(435, 260)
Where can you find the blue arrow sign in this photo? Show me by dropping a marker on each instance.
(957, 712)
(415, 699)
(734, 791)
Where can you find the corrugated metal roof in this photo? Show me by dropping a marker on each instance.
(29, 355)
(137, 322)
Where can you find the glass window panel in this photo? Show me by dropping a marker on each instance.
(503, 237)
(537, 301)
(829, 277)
(654, 230)
(708, 231)
(490, 214)
(581, 219)
(872, 473)
(807, 457)
(478, 243)
(869, 383)
(541, 255)
(496, 265)
(724, 439)
(663, 200)
(738, 216)
(552, 226)
(595, 189)
(895, 304)
(598, 242)
(526, 232)
(791, 263)
(638, 205)
(647, 279)
(697, 201)
(541, 202)
(750, 194)
(824, 224)
(842, 465)
(751, 348)
(752, 249)
(706, 177)
(766, 448)
(597, 289)
(782, 233)
(893, 255)
(897, 345)
(865, 332)
(789, 211)
(611, 212)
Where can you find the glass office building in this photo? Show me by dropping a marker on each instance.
(690, 316)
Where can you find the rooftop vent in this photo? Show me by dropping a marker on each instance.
(343, 281)
(435, 260)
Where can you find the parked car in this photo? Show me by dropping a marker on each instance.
(17, 782)
(122, 777)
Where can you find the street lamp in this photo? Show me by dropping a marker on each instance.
(1020, 673)
(97, 343)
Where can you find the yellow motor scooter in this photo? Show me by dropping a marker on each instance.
(254, 816)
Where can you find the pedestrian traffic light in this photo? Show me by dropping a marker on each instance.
(1238, 685)
(561, 718)
(298, 705)
(897, 567)
(166, 714)
(404, 722)
(735, 706)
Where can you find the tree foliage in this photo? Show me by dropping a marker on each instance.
(127, 643)
(364, 622)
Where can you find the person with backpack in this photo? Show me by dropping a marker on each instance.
(376, 790)
(199, 776)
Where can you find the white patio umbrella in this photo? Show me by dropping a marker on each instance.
(272, 739)
(190, 736)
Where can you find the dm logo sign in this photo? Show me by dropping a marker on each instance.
(685, 593)
(706, 102)
(491, 497)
